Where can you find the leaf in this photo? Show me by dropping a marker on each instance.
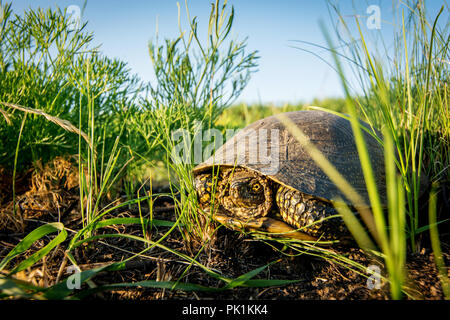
(243, 279)
(267, 283)
(428, 226)
(61, 290)
(108, 222)
(171, 285)
(16, 288)
(26, 243)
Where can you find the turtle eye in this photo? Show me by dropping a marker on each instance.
(256, 187)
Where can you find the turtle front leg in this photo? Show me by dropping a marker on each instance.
(263, 224)
(308, 213)
(203, 185)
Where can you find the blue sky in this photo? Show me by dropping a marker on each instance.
(124, 28)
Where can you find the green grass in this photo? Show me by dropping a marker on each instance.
(240, 115)
(117, 132)
(408, 102)
(35, 45)
(124, 134)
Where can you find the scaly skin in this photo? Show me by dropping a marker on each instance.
(245, 194)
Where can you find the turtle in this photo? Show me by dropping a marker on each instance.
(263, 178)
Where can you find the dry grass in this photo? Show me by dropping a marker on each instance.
(50, 190)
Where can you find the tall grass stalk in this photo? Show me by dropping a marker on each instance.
(435, 243)
(195, 82)
(336, 177)
(96, 177)
(398, 128)
(407, 93)
(53, 72)
(15, 163)
(391, 244)
(396, 256)
(191, 89)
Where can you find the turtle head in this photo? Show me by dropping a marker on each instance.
(246, 190)
(245, 193)
(241, 192)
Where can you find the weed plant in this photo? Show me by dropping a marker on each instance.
(196, 81)
(405, 96)
(52, 76)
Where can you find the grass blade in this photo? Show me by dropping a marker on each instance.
(435, 244)
(18, 289)
(33, 236)
(170, 285)
(242, 279)
(114, 221)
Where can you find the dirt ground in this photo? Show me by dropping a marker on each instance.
(230, 253)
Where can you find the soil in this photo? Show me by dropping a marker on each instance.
(229, 253)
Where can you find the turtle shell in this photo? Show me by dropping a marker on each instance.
(267, 147)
